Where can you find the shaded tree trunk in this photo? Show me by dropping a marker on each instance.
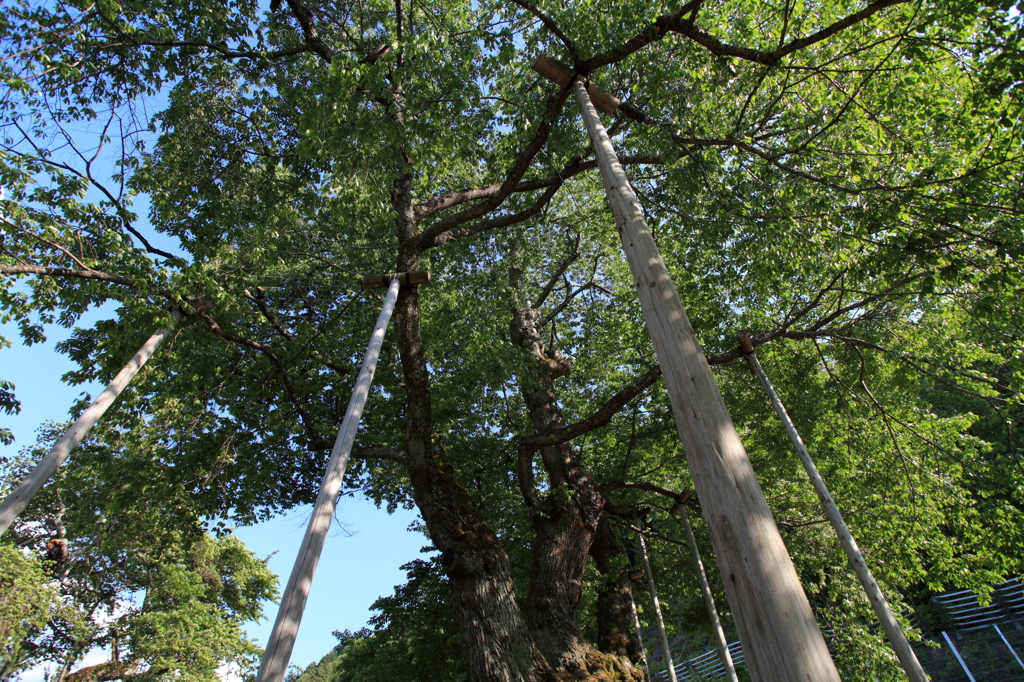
(496, 634)
(565, 521)
(615, 598)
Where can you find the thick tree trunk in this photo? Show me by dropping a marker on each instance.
(560, 549)
(615, 599)
(496, 634)
(564, 525)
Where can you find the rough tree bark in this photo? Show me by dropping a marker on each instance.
(615, 598)
(565, 521)
(495, 631)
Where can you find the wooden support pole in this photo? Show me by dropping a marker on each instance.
(709, 602)
(293, 602)
(776, 626)
(639, 637)
(659, 621)
(1013, 651)
(959, 658)
(908, 659)
(48, 465)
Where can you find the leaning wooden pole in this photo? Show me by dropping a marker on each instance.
(293, 602)
(709, 602)
(639, 637)
(658, 620)
(774, 619)
(48, 465)
(908, 659)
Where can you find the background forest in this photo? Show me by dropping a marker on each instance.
(843, 179)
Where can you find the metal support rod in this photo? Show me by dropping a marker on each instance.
(778, 630)
(659, 621)
(898, 640)
(1007, 643)
(959, 658)
(48, 465)
(293, 603)
(709, 602)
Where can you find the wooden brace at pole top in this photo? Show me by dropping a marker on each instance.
(557, 72)
(293, 602)
(405, 279)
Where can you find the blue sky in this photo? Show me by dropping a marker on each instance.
(363, 553)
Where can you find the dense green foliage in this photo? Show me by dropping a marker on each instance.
(117, 561)
(416, 638)
(850, 191)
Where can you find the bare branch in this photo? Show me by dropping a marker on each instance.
(313, 40)
(550, 286)
(525, 478)
(676, 23)
(681, 498)
(515, 174)
(221, 50)
(431, 239)
(379, 452)
(428, 207)
(64, 272)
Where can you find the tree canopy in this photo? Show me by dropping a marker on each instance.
(843, 179)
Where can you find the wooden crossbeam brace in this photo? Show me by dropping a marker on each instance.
(405, 279)
(557, 72)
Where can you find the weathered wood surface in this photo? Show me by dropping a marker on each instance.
(48, 465)
(898, 640)
(709, 602)
(286, 626)
(776, 626)
(557, 72)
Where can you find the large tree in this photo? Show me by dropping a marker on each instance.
(841, 178)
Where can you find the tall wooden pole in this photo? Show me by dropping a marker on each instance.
(778, 631)
(709, 602)
(908, 659)
(293, 603)
(659, 621)
(48, 465)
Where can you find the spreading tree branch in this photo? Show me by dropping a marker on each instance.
(428, 207)
(683, 22)
(515, 174)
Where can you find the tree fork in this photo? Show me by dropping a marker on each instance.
(615, 599)
(774, 619)
(563, 529)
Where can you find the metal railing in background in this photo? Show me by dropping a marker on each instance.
(979, 644)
